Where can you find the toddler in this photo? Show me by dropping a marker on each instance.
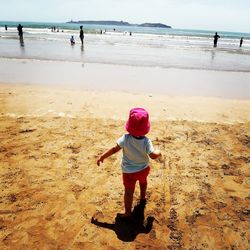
(135, 161)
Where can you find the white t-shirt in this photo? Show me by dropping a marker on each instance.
(135, 153)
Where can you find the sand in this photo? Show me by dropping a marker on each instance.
(51, 187)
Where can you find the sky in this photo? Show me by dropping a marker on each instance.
(216, 15)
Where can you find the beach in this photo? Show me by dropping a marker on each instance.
(61, 107)
(51, 186)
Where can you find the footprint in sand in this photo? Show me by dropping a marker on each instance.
(175, 234)
(73, 162)
(2, 149)
(192, 219)
(75, 147)
(12, 198)
(243, 214)
(173, 220)
(241, 158)
(219, 204)
(77, 189)
(245, 140)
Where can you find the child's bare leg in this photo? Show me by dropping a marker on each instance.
(128, 200)
(143, 188)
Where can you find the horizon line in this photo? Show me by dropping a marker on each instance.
(64, 22)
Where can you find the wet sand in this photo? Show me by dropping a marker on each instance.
(51, 186)
(127, 78)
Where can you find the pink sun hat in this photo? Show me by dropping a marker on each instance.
(138, 122)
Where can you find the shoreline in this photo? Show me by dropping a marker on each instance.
(26, 60)
(140, 79)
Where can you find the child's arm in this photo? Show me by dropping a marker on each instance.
(110, 152)
(156, 154)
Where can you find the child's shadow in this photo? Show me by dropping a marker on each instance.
(127, 229)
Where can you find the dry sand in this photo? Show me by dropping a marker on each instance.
(51, 186)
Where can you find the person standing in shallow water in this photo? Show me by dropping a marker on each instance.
(241, 41)
(72, 40)
(216, 37)
(20, 31)
(81, 34)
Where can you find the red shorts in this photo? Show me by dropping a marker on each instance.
(129, 179)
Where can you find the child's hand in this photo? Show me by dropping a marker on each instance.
(110, 152)
(156, 154)
(160, 159)
(100, 160)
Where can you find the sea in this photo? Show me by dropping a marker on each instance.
(127, 45)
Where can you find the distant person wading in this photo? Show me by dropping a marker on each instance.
(81, 34)
(72, 40)
(20, 31)
(216, 37)
(241, 41)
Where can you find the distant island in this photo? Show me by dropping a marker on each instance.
(158, 25)
(121, 23)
